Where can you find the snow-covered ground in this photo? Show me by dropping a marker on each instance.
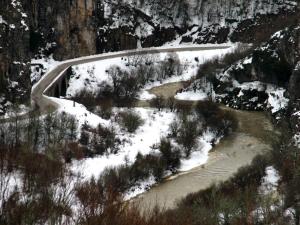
(200, 157)
(156, 125)
(267, 190)
(9, 182)
(91, 76)
(140, 188)
(197, 95)
(270, 181)
(80, 112)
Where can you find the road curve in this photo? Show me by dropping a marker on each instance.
(44, 103)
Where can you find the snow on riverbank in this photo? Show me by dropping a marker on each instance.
(198, 158)
(192, 96)
(93, 76)
(80, 112)
(140, 188)
(156, 125)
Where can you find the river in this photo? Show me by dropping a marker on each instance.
(254, 135)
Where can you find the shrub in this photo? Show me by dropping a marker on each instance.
(140, 169)
(171, 66)
(101, 140)
(85, 97)
(170, 155)
(105, 109)
(174, 128)
(105, 141)
(158, 102)
(187, 135)
(130, 85)
(214, 117)
(145, 73)
(125, 84)
(183, 107)
(84, 138)
(74, 150)
(210, 67)
(122, 178)
(131, 121)
(171, 103)
(206, 109)
(158, 168)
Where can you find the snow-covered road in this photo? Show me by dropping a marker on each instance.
(44, 103)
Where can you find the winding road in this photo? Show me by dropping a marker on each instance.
(41, 101)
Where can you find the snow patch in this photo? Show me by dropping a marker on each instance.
(47, 64)
(192, 96)
(2, 21)
(79, 112)
(276, 101)
(270, 181)
(145, 95)
(140, 188)
(200, 156)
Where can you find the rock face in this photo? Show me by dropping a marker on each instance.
(72, 28)
(14, 58)
(31, 28)
(213, 21)
(66, 26)
(273, 62)
(270, 73)
(294, 83)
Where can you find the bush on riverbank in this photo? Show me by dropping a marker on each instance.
(214, 117)
(130, 121)
(127, 82)
(194, 121)
(122, 178)
(188, 131)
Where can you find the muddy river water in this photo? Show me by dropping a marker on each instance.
(254, 135)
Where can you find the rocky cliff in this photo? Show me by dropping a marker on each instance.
(154, 23)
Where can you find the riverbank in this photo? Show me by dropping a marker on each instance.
(254, 136)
